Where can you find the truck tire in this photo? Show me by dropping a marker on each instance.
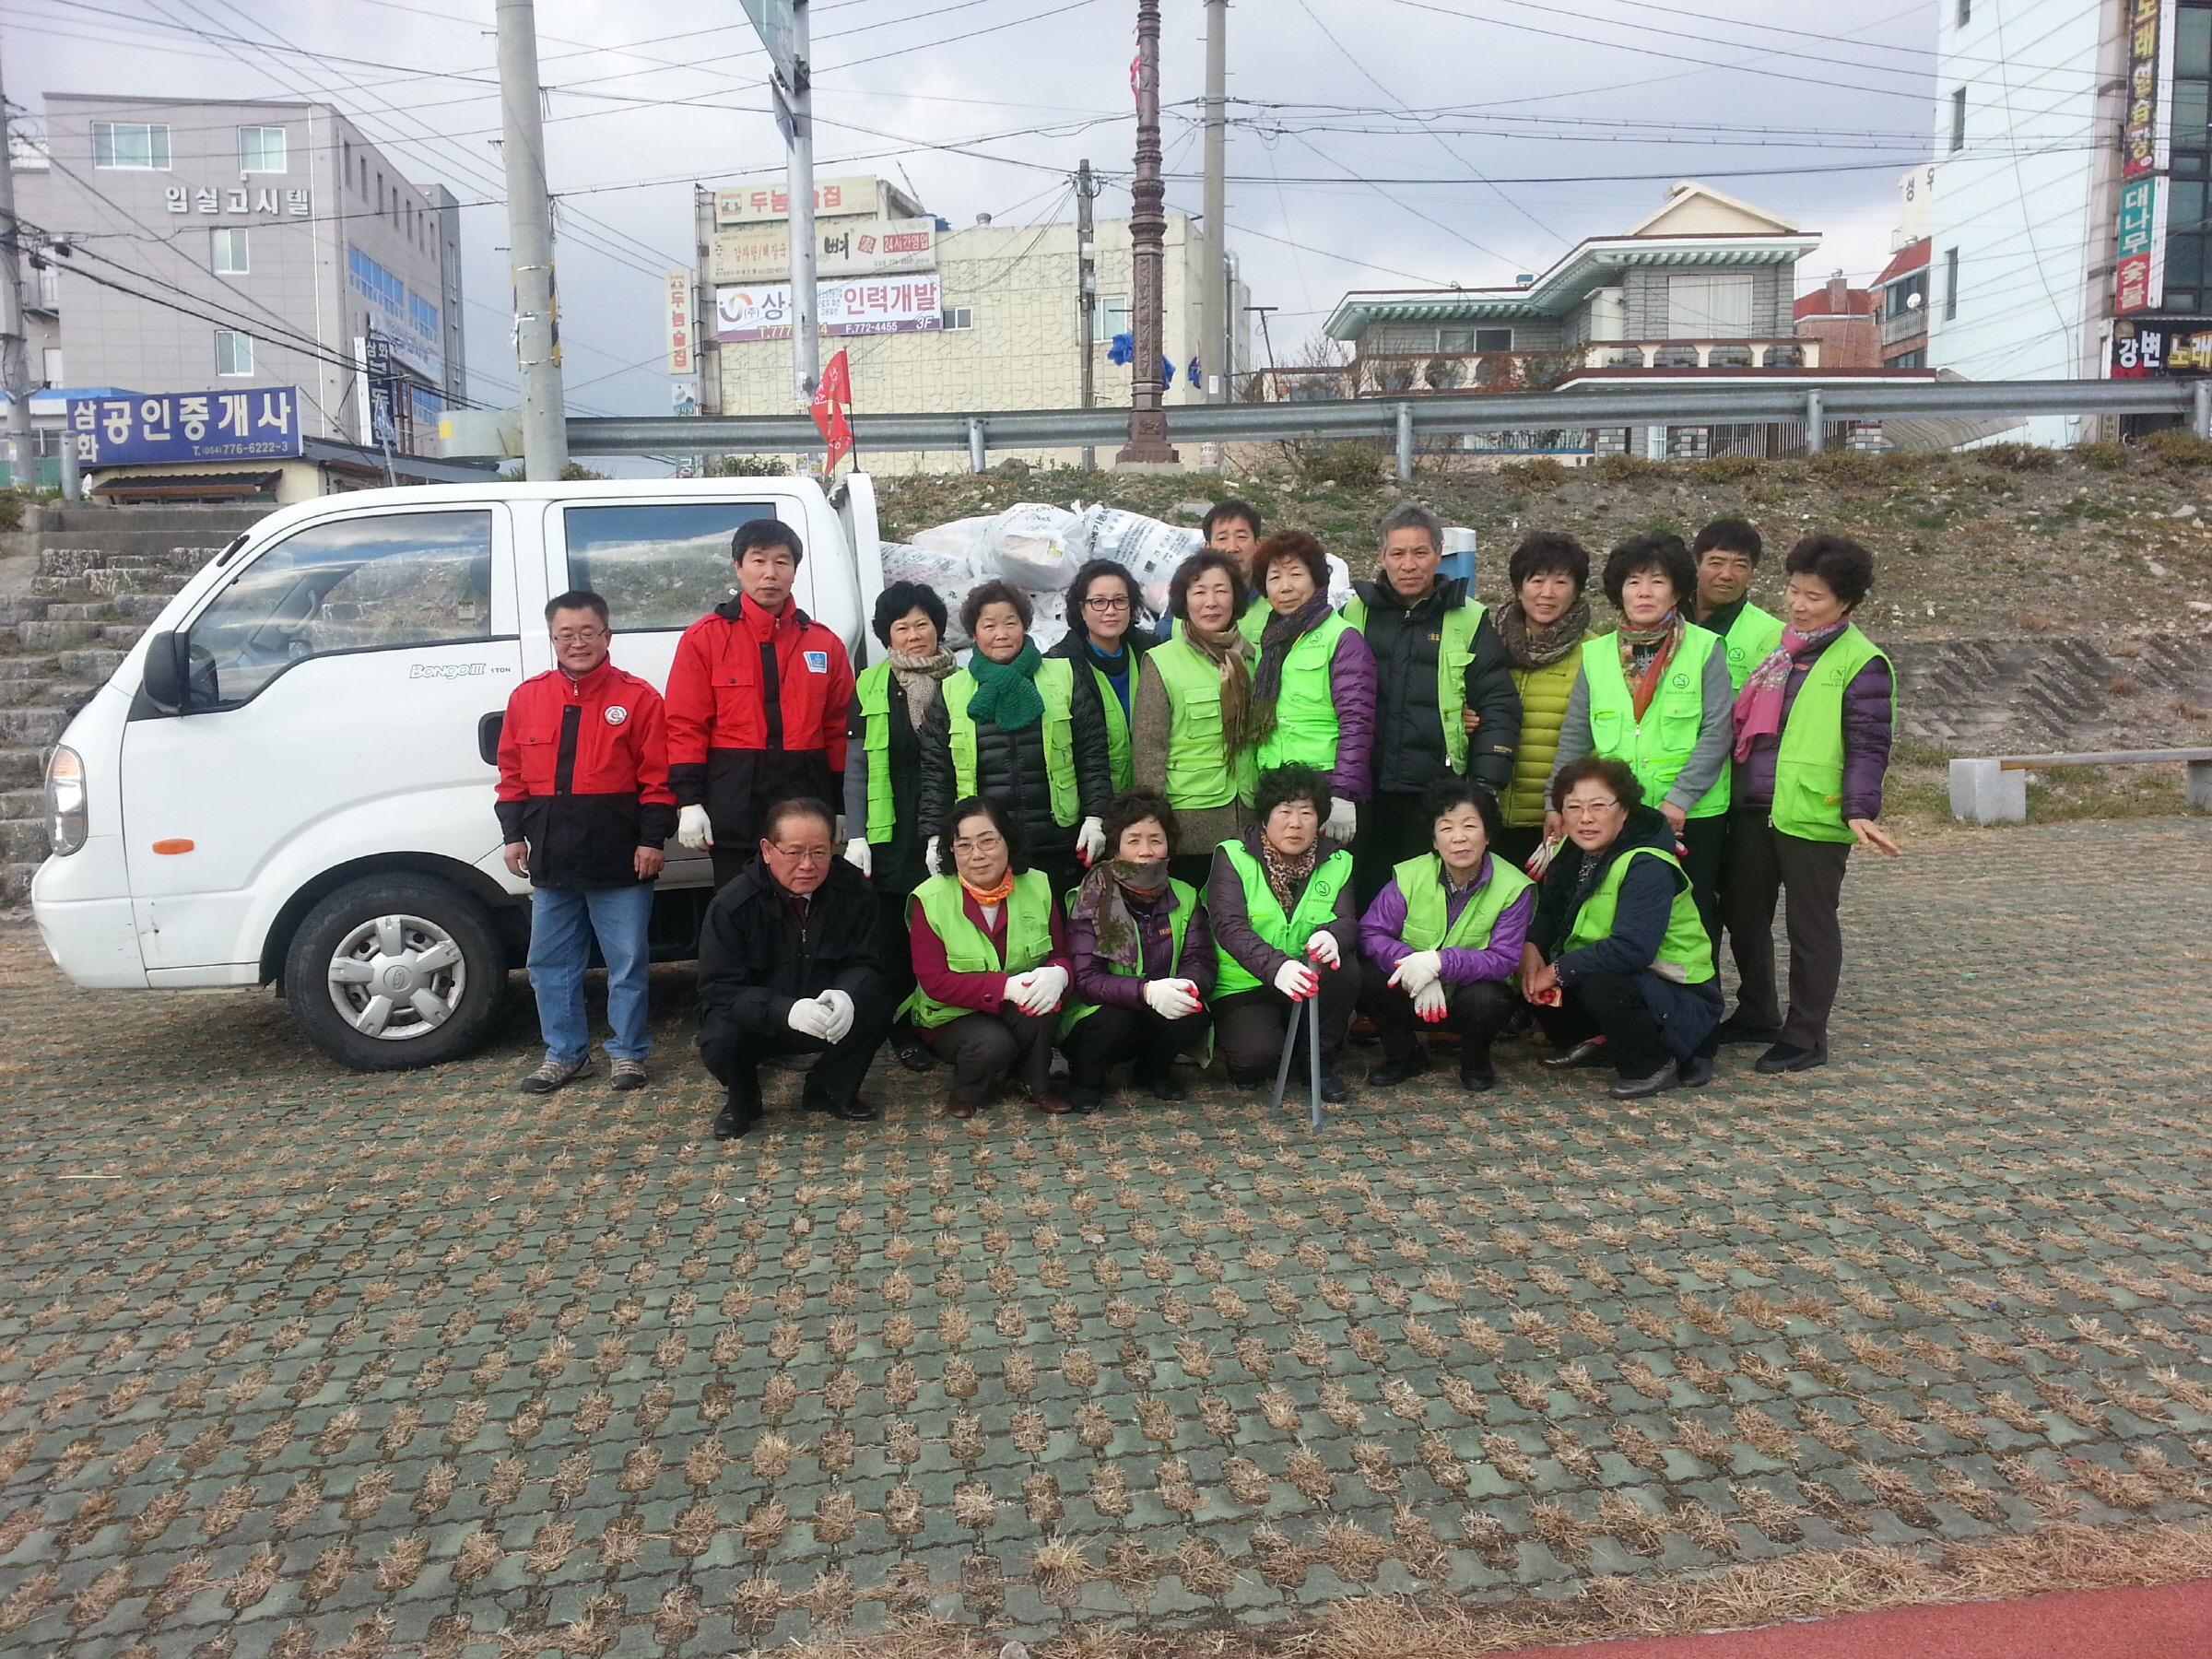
(396, 971)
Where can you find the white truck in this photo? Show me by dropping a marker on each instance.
(288, 781)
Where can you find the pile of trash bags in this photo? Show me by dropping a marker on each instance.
(1039, 548)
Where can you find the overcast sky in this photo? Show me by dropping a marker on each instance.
(1379, 144)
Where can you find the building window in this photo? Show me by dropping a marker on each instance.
(1493, 340)
(1966, 12)
(1708, 307)
(1108, 317)
(230, 257)
(130, 145)
(1910, 359)
(233, 352)
(261, 149)
(959, 317)
(2192, 43)
(1959, 118)
(1950, 284)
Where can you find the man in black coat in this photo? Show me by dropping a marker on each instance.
(788, 964)
(1408, 616)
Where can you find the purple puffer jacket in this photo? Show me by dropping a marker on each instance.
(1383, 929)
(1352, 688)
(1096, 982)
(1868, 707)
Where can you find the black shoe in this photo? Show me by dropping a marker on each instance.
(1392, 1073)
(855, 1111)
(1163, 1088)
(1734, 1029)
(1696, 1071)
(1086, 1100)
(1637, 1089)
(1334, 1088)
(911, 1052)
(1590, 1051)
(1477, 1079)
(734, 1121)
(1244, 1079)
(1521, 1022)
(1789, 1057)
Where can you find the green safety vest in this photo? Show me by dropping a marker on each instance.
(1809, 767)
(1056, 684)
(1178, 922)
(1199, 773)
(1305, 710)
(1455, 652)
(1117, 718)
(1544, 694)
(1253, 622)
(1687, 943)
(1421, 884)
(874, 690)
(1658, 747)
(1751, 638)
(1316, 909)
(968, 948)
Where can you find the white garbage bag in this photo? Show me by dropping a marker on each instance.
(1028, 545)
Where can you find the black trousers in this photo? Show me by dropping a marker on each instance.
(733, 1051)
(1477, 1012)
(1762, 862)
(980, 1047)
(1251, 1023)
(1610, 1006)
(1704, 855)
(1197, 868)
(1109, 1035)
(1392, 829)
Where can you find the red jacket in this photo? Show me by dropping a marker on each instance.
(583, 775)
(743, 679)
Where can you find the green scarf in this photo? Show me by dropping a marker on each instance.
(1005, 693)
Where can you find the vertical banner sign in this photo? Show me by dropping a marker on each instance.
(382, 389)
(680, 322)
(2138, 280)
(2134, 289)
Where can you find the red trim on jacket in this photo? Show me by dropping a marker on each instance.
(715, 696)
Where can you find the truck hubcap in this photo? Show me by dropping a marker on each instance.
(395, 978)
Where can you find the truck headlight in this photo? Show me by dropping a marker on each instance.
(66, 800)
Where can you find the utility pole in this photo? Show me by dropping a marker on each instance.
(530, 245)
(15, 348)
(1087, 293)
(1266, 341)
(797, 114)
(1148, 442)
(1213, 300)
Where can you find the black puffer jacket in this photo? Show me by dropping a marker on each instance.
(755, 957)
(1409, 752)
(1089, 687)
(1010, 769)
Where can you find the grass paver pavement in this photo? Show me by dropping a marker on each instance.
(296, 1362)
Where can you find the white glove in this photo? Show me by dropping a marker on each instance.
(840, 1005)
(1171, 999)
(1322, 948)
(1343, 821)
(929, 856)
(694, 828)
(1415, 972)
(1090, 840)
(809, 1017)
(858, 855)
(1296, 980)
(1040, 994)
(1428, 1002)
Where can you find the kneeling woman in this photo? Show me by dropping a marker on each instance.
(1280, 901)
(1144, 960)
(1618, 960)
(990, 960)
(1443, 937)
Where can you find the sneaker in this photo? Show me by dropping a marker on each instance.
(628, 1074)
(553, 1074)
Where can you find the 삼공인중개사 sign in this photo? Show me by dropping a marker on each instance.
(894, 305)
(252, 423)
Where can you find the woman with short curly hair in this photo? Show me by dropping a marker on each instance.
(1314, 691)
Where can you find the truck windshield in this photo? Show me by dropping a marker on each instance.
(658, 565)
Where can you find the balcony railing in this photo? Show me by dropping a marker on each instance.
(1415, 373)
(1904, 325)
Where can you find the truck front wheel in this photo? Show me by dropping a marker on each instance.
(391, 972)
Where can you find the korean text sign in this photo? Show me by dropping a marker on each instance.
(887, 305)
(252, 423)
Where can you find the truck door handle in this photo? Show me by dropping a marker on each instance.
(487, 736)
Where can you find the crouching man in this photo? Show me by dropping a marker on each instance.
(788, 965)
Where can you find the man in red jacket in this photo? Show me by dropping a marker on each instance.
(757, 699)
(584, 805)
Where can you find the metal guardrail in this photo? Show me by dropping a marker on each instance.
(1404, 418)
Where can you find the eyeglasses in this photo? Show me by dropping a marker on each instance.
(1099, 602)
(980, 843)
(1586, 808)
(805, 855)
(577, 636)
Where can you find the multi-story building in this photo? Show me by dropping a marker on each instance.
(213, 245)
(1901, 299)
(934, 320)
(1842, 320)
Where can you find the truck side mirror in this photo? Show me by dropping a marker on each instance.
(167, 672)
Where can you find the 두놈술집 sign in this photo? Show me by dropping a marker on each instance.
(253, 423)
(894, 305)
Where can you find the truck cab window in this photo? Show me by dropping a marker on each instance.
(658, 565)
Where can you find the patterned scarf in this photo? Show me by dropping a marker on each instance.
(1287, 872)
(1758, 705)
(1545, 645)
(1005, 693)
(1229, 650)
(916, 677)
(1667, 637)
(1281, 633)
(1102, 900)
(988, 897)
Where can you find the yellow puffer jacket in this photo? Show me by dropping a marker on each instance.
(1544, 693)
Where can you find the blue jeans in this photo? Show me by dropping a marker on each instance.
(562, 920)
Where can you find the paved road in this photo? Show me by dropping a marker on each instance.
(295, 1361)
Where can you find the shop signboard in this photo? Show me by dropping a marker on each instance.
(843, 248)
(252, 423)
(890, 305)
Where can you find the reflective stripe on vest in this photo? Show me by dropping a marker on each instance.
(1544, 694)
(1421, 885)
(1659, 745)
(1198, 774)
(1686, 947)
(1305, 706)
(873, 688)
(1751, 638)
(1808, 766)
(1056, 683)
(968, 948)
(1316, 909)
(1178, 922)
(1455, 653)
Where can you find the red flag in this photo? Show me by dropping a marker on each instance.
(837, 432)
(831, 393)
(837, 381)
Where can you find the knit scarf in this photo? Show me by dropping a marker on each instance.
(1287, 872)
(1668, 635)
(1228, 651)
(1759, 704)
(1277, 639)
(1005, 693)
(1102, 900)
(916, 676)
(1541, 647)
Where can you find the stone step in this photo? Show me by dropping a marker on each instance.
(23, 840)
(22, 803)
(73, 555)
(97, 611)
(39, 725)
(135, 578)
(57, 519)
(121, 633)
(22, 767)
(142, 607)
(96, 664)
(15, 883)
(54, 636)
(30, 667)
(18, 608)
